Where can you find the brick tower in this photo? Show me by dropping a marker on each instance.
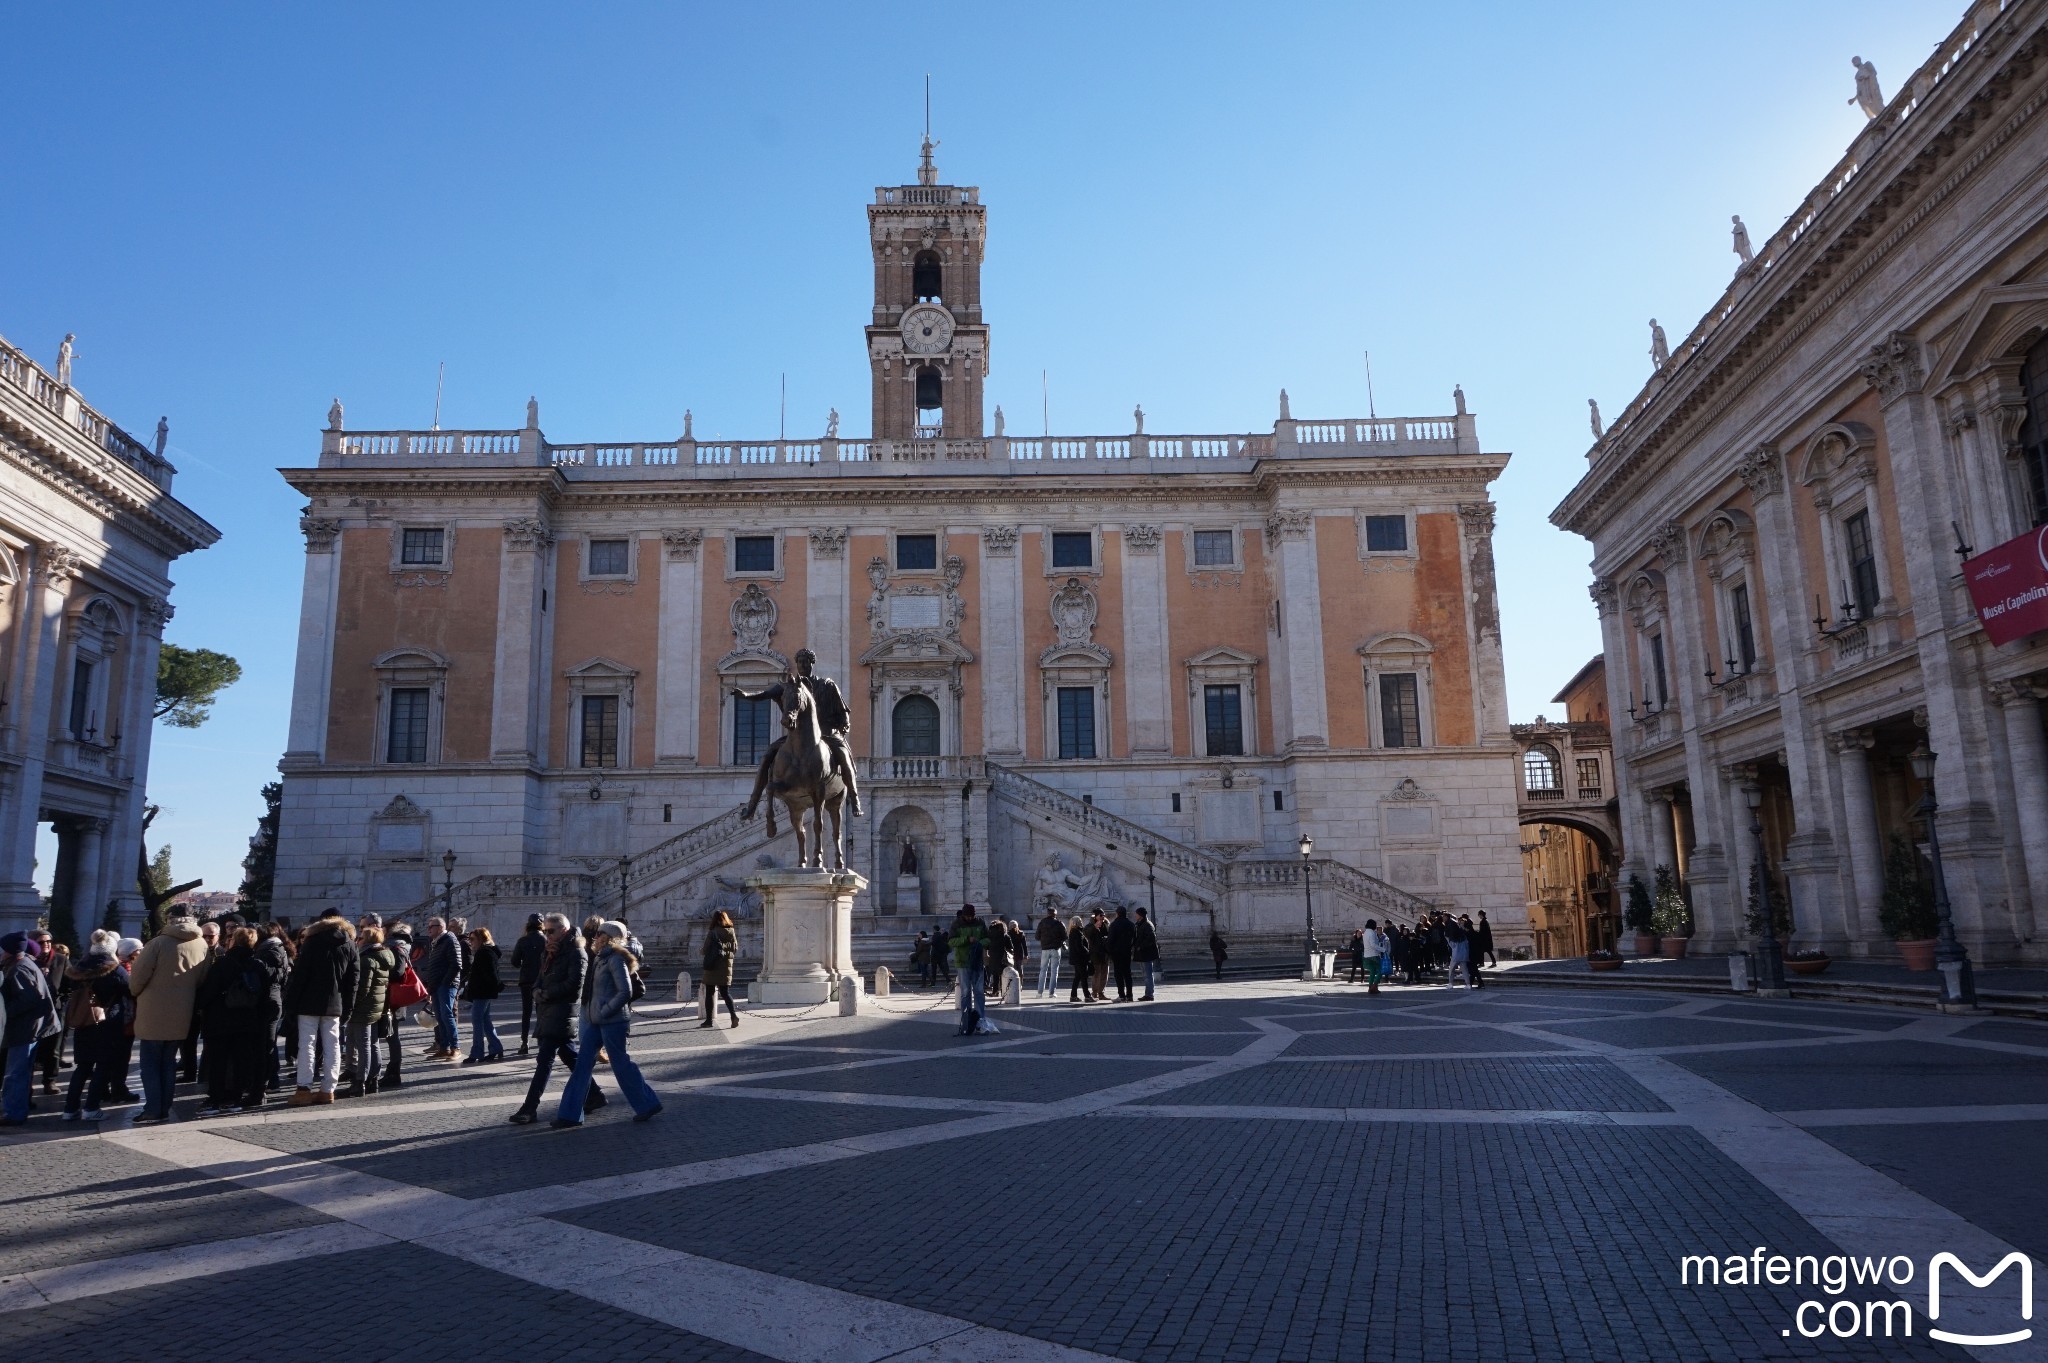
(927, 345)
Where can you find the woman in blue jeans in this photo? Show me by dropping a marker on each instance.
(605, 1024)
(480, 985)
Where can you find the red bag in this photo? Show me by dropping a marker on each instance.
(406, 990)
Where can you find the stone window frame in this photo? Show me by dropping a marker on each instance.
(748, 670)
(1398, 652)
(447, 562)
(95, 632)
(1075, 665)
(599, 676)
(630, 577)
(1222, 666)
(1236, 564)
(411, 667)
(1840, 474)
(1648, 604)
(732, 537)
(1726, 545)
(938, 568)
(1094, 533)
(1407, 514)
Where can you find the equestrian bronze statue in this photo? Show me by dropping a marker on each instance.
(808, 769)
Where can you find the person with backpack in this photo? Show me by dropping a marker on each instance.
(526, 954)
(99, 1007)
(721, 949)
(30, 1013)
(321, 993)
(375, 968)
(970, 958)
(480, 986)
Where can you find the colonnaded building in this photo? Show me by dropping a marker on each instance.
(1786, 523)
(1141, 665)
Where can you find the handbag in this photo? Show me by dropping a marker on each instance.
(405, 990)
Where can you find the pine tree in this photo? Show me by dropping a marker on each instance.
(259, 868)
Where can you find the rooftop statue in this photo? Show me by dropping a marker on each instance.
(1660, 350)
(1594, 404)
(1867, 95)
(1742, 241)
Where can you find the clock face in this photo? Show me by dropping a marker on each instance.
(927, 330)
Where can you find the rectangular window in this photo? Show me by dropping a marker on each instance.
(1214, 549)
(1077, 721)
(1224, 714)
(600, 731)
(753, 553)
(1400, 710)
(1589, 778)
(608, 558)
(2034, 433)
(1745, 631)
(420, 546)
(1073, 549)
(1280, 801)
(917, 553)
(1657, 669)
(1862, 564)
(750, 738)
(407, 740)
(1386, 534)
(81, 697)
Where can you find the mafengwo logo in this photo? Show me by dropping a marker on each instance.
(1870, 1314)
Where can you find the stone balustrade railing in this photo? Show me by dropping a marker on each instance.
(938, 769)
(692, 458)
(483, 892)
(42, 388)
(1331, 876)
(1212, 872)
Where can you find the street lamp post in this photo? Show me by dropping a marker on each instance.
(448, 883)
(1771, 961)
(1151, 890)
(1958, 984)
(625, 869)
(1308, 902)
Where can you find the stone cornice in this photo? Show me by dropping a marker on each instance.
(1818, 270)
(108, 489)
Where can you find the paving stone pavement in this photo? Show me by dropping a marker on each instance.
(1246, 1171)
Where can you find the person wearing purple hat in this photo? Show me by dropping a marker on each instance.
(30, 1014)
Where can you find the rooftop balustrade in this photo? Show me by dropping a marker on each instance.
(42, 389)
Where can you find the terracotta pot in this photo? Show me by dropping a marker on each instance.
(1646, 945)
(1674, 947)
(1604, 965)
(1919, 954)
(1811, 967)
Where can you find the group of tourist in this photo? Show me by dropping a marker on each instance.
(216, 1002)
(1438, 943)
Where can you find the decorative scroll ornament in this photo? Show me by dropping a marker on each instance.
(528, 533)
(1668, 541)
(753, 619)
(1477, 518)
(59, 565)
(1142, 539)
(681, 545)
(1601, 589)
(1073, 613)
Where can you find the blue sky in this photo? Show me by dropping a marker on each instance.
(633, 209)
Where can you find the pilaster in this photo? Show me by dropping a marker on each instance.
(678, 667)
(1148, 697)
(1004, 689)
(1291, 539)
(313, 676)
(518, 688)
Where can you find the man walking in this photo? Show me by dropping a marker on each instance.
(970, 957)
(1484, 941)
(440, 970)
(1052, 940)
(556, 994)
(1145, 951)
(1123, 939)
(165, 981)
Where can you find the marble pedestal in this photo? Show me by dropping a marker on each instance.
(807, 919)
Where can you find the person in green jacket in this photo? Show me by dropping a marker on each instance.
(970, 961)
(375, 968)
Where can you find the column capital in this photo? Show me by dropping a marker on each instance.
(320, 533)
(1477, 518)
(529, 533)
(680, 544)
(1294, 526)
(1740, 773)
(1142, 539)
(1851, 740)
(1668, 541)
(2018, 691)
(999, 541)
(828, 541)
(1762, 471)
(155, 613)
(1604, 595)
(57, 565)
(1894, 367)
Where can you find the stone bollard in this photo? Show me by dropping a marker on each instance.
(1013, 987)
(883, 979)
(1739, 971)
(849, 996)
(684, 992)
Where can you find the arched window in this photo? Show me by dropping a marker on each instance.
(915, 728)
(925, 277)
(1541, 768)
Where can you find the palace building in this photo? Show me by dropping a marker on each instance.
(1818, 534)
(1156, 661)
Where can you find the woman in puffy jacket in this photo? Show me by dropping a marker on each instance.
(605, 1024)
(721, 948)
(480, 986)
(96, 1045)
(375, 968)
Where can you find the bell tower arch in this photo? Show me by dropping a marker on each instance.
(927, 343)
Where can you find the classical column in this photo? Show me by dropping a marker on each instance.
(137, 729)
(1851, 748)
(1490, 684)
(42, 619)
(88, 903)
(1291, 538)
(1148, 698)
(825, 600)
(1663, 834)
(313, 673)
(678, 631)
(2028, 751)
(519, 693)
(1003, 695)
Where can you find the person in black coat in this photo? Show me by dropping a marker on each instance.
(1218, 951)
(1081, 962)
(1145, 951)
(556, 992)
(441, 972)
(1122, 938)
(526, 954)
(320, 993)
(96, 1046)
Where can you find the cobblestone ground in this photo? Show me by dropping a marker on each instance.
(1239, 1171)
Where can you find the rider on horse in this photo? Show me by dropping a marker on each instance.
(834, 721)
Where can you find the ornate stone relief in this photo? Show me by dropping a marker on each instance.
(320, 534)
(1668, 542)
(918, 610)
(528, 533)
(1894, 368)
(1762, 472)
(681, 545)
(400, 808)
(1142, 539)
(753, 619)
(828, 541)
(57, 565)
(439, 580)
(1409, 789)
(1601, 589)
(999, 541)
(1073, 613)
(1283, 526)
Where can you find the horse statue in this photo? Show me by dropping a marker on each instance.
(802, 778)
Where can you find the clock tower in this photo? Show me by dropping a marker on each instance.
(927, 344)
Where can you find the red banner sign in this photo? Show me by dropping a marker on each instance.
(2009, 586)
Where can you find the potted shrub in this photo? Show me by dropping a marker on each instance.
(1806, 962)
(1602, 960)
(1640, 916)
(1781, 912)
(1670, 916)
(1906, 913)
